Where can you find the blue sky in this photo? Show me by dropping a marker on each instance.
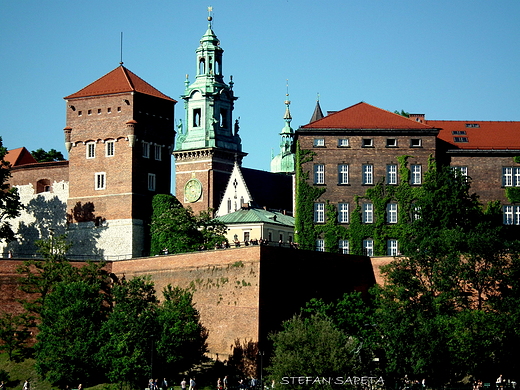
(448, 59)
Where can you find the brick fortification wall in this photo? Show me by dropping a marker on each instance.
(246, 293)
(241, 293)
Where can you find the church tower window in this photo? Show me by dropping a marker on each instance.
(196, 117)
(202, 65)
(223, 118)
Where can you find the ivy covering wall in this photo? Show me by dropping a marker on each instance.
(380, 195)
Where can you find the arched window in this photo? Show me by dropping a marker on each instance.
(202, 65)
(43, 185)
(196, 117)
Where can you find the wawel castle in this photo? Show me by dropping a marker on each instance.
(121, 134)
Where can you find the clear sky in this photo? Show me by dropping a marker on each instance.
(448, 59)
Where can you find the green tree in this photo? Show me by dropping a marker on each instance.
(441, 300)
(10, 205)
(41, 155)
(40, 276)
(178, 229)
(182, 340)
(69, 334)
(312, 347)
(14, 333)
(129, 333)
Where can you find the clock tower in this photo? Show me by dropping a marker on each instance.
(208, 143)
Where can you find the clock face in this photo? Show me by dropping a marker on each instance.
(192, 190)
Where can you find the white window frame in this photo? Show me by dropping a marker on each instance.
(368, 213)
(416, 174)
(368, 247)
(392, 247)
(511, 176)
(460, 170)
(319, 212)
(391, 174)
(91, 150)
(344, 247)
(368, 174)
(342, 173)
(100, 181)
(319, 173)
(511, 215)
(391, 213)
(343, 143)
(152, 181)
(319, 142)
(415, 142)
(146, 149)
(110, 148)
(320, 245)
(343, 212)
(158, 152)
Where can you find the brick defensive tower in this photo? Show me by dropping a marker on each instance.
(119, 136)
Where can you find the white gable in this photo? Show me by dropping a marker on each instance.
(236, 193)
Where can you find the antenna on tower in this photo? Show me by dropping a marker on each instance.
(121, 49)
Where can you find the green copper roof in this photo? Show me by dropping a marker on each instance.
(251, 215)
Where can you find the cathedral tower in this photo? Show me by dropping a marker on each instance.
(284, 162)
(119, 136)
(207, 142)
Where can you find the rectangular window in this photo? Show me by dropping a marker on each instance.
(157, 150)
(109, 149)
(146, 150)
(416, 212)
(343, 212)
(415, 143)
(460, 139)
(368, 213)
(460, 171)
(319, 212)
(319, 174)
(319, 142)
(391, 143)
(367, 143)
(246, 236)
(343, 174)
(91, 150)
(391, 248)
(100, 181)
(391, 174)
(511, 176)
(151, 182)
(320, 245)
(511, 215)
(343, 143)
(368, 247)
(368, 174)
(416, 177)
(344, 247)
(391, 213)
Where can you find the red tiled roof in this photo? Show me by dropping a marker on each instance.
(366, 116)
(117, 81)
(479, 135)
(19, 156)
